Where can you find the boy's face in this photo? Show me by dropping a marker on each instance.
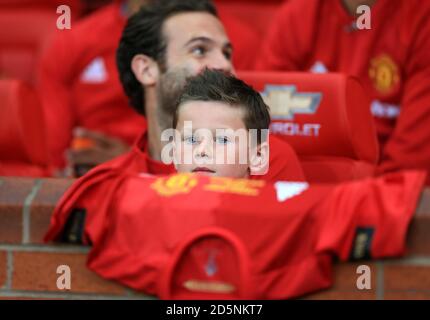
(212, 146)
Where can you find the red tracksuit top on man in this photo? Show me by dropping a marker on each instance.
(188, 236)
(79, 84)
(392, 59)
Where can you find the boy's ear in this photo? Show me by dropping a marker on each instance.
(259, 159)
(145, 69)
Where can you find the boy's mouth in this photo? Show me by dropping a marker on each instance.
(203, 170)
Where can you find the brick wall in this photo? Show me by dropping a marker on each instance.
(28, 267)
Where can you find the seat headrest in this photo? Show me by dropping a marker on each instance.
(22, 131)
(21, 45)
(319, 114)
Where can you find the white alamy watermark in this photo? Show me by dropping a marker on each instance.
(64, 21)
(364, 21)
(364, 281)
(64, 281)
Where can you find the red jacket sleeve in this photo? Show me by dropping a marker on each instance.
(55, 72)
(92, 193)
(408, 146)
(370, 218)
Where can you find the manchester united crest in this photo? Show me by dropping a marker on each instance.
(177, 184)
(384, 74)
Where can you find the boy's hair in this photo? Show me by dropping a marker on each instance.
(143, 35)
(219, 86)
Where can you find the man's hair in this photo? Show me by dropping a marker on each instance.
(143, 35)
(220, 86)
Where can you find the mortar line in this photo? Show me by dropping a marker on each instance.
(44, 248)
(380, 290)
(69, 296)
(411, 260)
(27, 209)
(9, 269)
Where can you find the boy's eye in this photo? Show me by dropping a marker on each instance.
(222, 140)
(190, 140)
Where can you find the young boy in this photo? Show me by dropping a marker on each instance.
(221, 127)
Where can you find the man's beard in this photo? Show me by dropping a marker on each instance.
(172, 83)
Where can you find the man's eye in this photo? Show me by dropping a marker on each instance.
(222, 140)
(228, 54)
(199, 51)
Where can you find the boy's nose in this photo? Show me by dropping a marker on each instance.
(204, 149)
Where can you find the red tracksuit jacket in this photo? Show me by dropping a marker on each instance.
(391, 59)
(79, 83)
(188, 236)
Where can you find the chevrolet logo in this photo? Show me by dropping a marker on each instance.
(284, 101)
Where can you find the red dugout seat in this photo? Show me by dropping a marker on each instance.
(25, 29)
(326, 118)
(23, 148)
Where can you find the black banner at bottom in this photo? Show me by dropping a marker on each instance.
(158, 309)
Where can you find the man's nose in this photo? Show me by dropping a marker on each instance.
(220, 62)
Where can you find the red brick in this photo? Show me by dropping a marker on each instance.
(342, 295)
(345, 284)
(407, 295)
(21, 187)
(40, 219)
(407, 277)
(13, 192)
(418, 241)
(3, 268)
(10, 225)
(43, 206)
(423, 208)
(345, 276)
(36, 271)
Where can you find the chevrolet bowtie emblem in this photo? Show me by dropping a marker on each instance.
(284, 101)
